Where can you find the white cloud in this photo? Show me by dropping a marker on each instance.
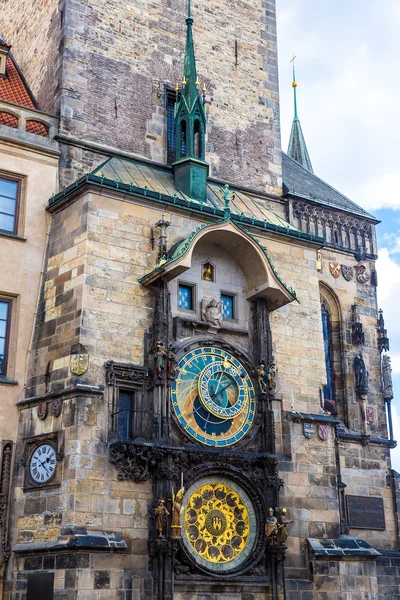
(389, 278)
(348, 93)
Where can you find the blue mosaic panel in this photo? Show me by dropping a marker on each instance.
(227, 306)
(185, 297)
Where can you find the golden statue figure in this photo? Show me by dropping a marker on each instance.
(282, 526)
(208, 272)
(177, 501)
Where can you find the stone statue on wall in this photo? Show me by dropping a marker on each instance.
(387, 378)
(357, 328)
(211, 312)
(262, 378)
(160, 355)
(362, 375)
(271, 527)
(282, 526)
(172, 362)
(271, 375)
(161, 513)
(177, 501)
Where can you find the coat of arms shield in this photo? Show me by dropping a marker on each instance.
(334, 269)
(308, 430)
(79, 363)
(347, 272)
(323, 432)
(362, 274)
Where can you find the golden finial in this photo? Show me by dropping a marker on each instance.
(204, 89)
(177, 87)
(197, 82)
(294, 84)
(183, 80)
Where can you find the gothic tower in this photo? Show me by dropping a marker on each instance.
(207, 403)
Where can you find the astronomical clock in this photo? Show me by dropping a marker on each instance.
(213, 397)
(208, 447)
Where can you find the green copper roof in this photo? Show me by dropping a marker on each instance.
(180, 248)
(160, 181)
(297, 145)
(155, 183)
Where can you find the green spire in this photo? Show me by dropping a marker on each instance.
(297, 145)
(294, 86)
(190, 83)
(190, 169)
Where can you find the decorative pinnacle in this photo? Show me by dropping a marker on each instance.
(227, 199)
(294, 86)
(189, 11)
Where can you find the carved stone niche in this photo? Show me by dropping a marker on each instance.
(131, 379)
(56, 440)
(6, 457)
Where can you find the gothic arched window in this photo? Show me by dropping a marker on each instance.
(328, 393)
(197, 139)
(183, 138)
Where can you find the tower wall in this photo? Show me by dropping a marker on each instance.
(118, 59)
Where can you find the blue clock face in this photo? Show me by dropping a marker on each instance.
(213, 397)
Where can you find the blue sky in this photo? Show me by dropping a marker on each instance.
(348, 74)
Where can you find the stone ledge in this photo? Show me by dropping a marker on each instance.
(298, 417)
(78, 539)
(346, 547)
(79, 389)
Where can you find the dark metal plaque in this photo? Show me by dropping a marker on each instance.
(365, 513)
(40, 586)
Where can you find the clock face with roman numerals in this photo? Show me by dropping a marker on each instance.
(213, 397)
(42, 464)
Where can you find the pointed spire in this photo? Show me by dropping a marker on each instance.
(190, 169)
(190, 82)
(297, 145)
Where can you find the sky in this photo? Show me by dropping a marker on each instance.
(348, 75)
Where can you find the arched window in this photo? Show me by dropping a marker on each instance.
(328, 393)
(197, 139)
(183, 138)
(334, 390)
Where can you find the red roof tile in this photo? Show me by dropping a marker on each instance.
(13, 89)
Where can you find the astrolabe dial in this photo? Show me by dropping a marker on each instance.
(213, 397)
(219, 524)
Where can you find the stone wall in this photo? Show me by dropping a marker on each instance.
(118, 60)
(87, 512)
(388, 571)
(350, 579)
(35, 32)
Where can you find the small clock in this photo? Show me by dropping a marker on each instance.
(42, 464)
(213, 397)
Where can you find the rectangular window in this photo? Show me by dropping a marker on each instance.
(125, 415)
(228, 306)
(5, 320)
(185, 296)
(9, 199)
(40, 585)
